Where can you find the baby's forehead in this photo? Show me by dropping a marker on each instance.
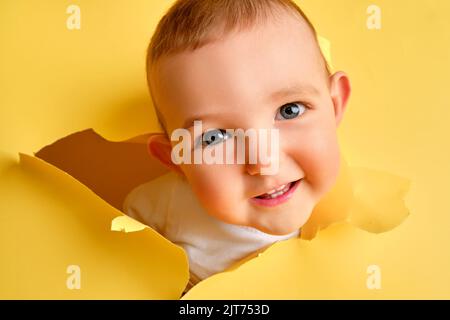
(280, 24)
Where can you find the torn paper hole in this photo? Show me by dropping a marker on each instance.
(113, 169)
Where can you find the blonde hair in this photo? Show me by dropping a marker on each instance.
(190, 25)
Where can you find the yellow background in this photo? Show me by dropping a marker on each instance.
(55, 81)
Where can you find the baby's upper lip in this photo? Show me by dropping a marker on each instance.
(277, 186)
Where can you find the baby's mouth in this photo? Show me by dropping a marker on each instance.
(276, 192)
(278, 195)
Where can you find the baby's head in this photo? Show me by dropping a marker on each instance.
(248, 64)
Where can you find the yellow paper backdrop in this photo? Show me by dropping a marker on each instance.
(55, 81)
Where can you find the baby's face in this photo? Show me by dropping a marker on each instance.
(269, 77)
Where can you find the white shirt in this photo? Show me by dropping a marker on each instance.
(168, 205)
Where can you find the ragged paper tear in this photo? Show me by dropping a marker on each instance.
(370, 199)
(102, 173)
(110, 169)
(126, 224)
(378, 200)
(57, 242)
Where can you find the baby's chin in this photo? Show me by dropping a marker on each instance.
(283, 224)
(283, 221)
(279, 231)
(276, 227)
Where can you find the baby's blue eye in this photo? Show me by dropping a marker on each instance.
(214, 136)
(290, 111)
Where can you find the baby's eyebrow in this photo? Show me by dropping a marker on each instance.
(291, 90)
(189, 122)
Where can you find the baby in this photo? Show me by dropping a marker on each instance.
(239, 64)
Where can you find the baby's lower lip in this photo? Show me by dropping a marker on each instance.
(272, 202)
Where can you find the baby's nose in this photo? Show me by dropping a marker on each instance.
(266, 165)
(253, 169)
(262, 157)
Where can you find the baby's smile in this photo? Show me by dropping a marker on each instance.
(278, 195)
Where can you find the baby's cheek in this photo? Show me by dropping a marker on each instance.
(318, 156)
(217, 188)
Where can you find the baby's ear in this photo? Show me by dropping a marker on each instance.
(159, 147)
(340, 91)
